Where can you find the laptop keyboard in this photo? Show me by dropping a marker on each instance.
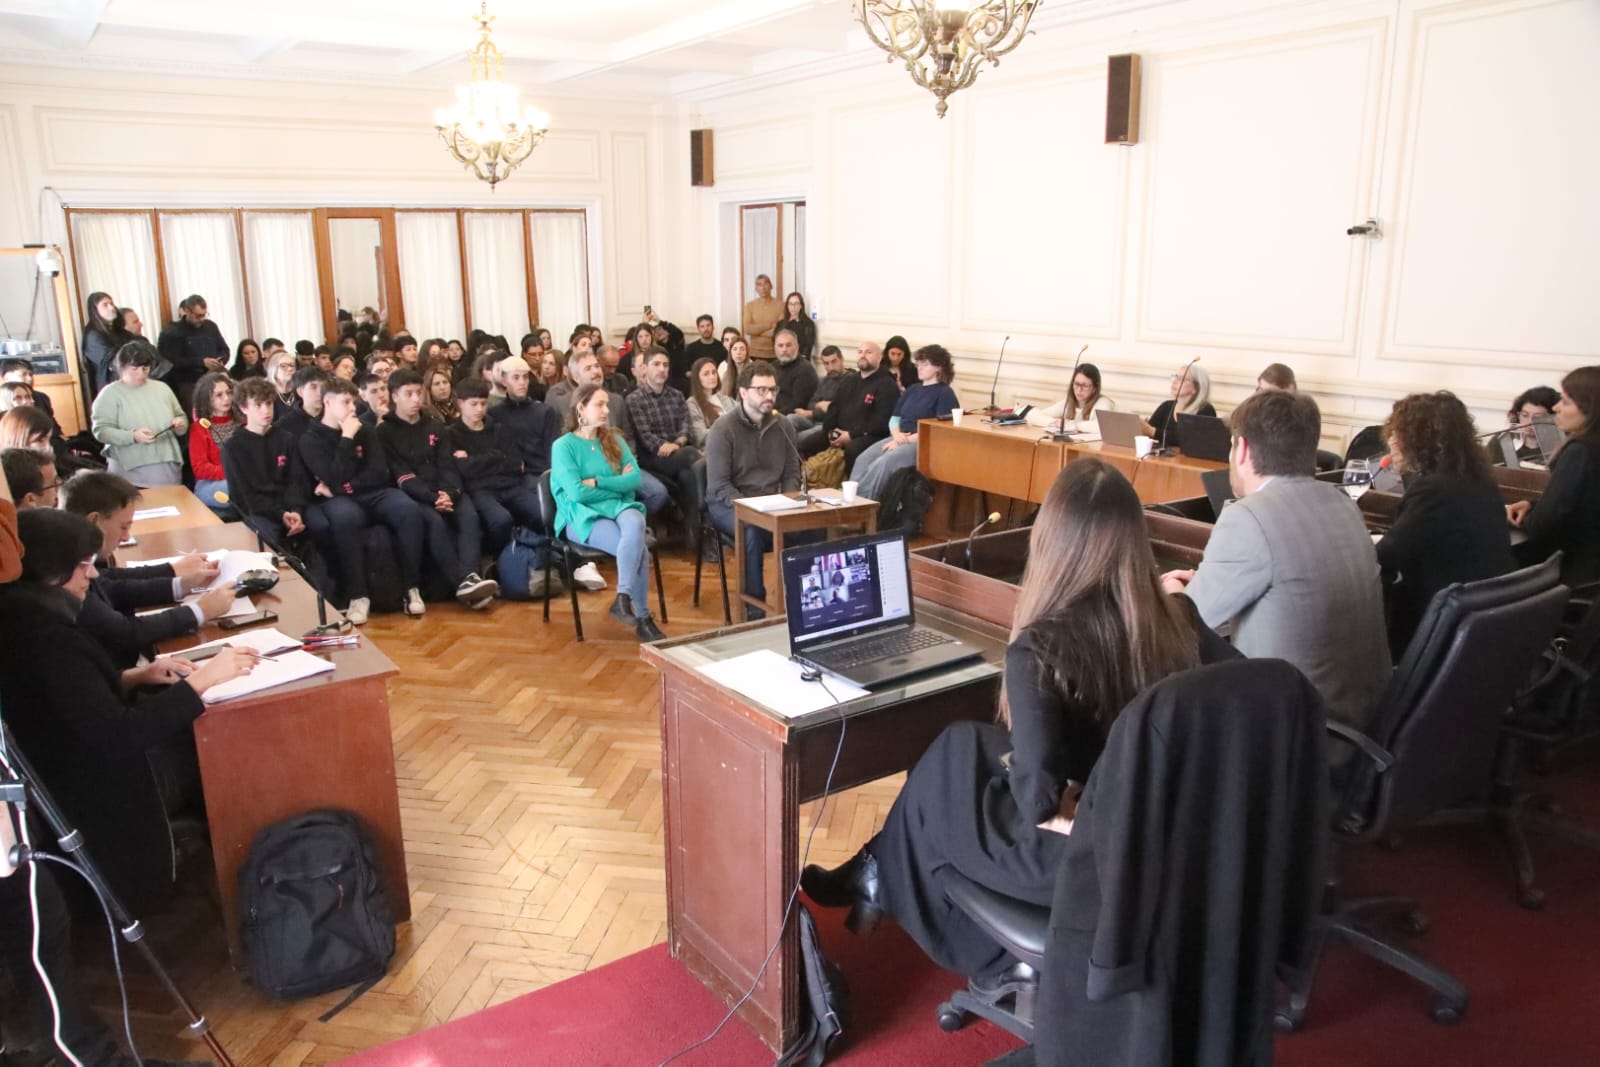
(876, 648)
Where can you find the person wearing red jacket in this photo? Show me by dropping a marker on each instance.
(212, 425)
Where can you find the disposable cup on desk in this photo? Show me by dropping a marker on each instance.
(848, 489)
(1143, 445)
(955, 416)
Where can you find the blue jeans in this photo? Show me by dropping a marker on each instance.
(652, 492)
(876, 465)
(757, 543)
(207, 489)
(623, 537)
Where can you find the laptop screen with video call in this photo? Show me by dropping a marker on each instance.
(842, 588)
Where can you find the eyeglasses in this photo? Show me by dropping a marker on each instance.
(763, 390)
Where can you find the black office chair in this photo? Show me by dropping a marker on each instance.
(574, 554)
(1431, 747)
(722, 541)
(1558, 709)
(1328, 461)
(1263, 720)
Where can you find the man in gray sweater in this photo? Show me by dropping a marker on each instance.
(750, 452)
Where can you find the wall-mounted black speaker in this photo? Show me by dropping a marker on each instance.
(700, 171)
(1122, 99)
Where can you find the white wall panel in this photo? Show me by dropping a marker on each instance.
(626, 255)
(890, 215)
(759, 149)
(1045, 209)
(1256, 166)
(1496, 254)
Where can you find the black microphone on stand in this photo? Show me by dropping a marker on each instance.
(1061, 433)
(298, 565)
(1176, 401)
(805, 489)
(998, 363)
(989, 520)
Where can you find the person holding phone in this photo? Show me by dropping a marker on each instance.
(139, 421)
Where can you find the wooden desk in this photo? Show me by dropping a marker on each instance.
(191, 513)
(734, 777)
(321, 742)
(862, 512)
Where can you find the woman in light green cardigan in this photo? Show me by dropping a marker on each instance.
(139, 421)
(594, 479)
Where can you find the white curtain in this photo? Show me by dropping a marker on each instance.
(497, 273)
(430, 273)
(116, 254)
(201, 252)
(760, 229)
(561, 270)
(281, 258)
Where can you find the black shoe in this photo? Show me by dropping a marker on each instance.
(645, 628)
(622, 610)
(855, 885)
(1014, 979)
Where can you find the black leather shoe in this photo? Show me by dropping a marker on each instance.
(622, 610)
(855, 884)
(645, 628)
(1014, 979)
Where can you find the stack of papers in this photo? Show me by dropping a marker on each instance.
(231, 562)
(168, 512)
(771, 503)
(269, 673)
(774, 682)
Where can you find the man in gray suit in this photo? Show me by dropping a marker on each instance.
(1290, 566)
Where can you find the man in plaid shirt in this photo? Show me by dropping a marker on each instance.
(660, 417)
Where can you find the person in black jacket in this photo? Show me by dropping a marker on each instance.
(306, 385)
(87, 727)
(417, 448)
(110, 605)
(795, 318)
(193, 345)
(1451, 525)
(262, 463)
(353, 489)
(1567, 517)
(491, 468)
(1092, 628)
(859, 416)
(103, 335)
(530, 424)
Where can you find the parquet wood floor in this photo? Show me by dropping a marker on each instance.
(530, 788)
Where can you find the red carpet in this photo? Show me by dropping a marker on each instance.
(1534, 980)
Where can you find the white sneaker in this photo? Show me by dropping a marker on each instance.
(358, 610)
(414, 605)
(588, 576)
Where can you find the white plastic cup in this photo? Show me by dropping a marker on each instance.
(1143, 445)
(849, 491)
(955, 416)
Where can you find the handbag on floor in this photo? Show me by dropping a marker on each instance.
(825, 470)
(822, 1007)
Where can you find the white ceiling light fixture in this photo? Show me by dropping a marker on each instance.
(943, 42)
(487, 129)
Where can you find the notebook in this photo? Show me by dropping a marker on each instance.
(850, 611)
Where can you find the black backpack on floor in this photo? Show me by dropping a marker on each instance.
(313, 911)
(385, 588)
(905, 502)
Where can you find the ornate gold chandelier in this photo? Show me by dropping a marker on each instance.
(486, 129)
(942, 42)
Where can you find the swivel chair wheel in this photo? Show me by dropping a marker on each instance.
(951, 1018)
(1532, 899)
(1415, 923)
(1446, 1013)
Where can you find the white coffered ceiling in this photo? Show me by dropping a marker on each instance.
(604, 46)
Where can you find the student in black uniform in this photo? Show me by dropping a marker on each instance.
(1092, 628)
(491, 466)
(263, 467)
(1450, 526)
(306, 385)
(1567, 517)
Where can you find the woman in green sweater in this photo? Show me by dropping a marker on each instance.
(139, 421)
(594, 479)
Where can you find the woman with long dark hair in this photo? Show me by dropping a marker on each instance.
(595, 481)
(897, 357)
(1077, 411)
(1450, 526)
(795, 318)
(1567, 517)
(738, 356)
(707, 402)
(102, 336)
(1091, 629)
(247, 361)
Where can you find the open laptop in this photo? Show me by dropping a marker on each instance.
(849, 605)
(1119, 427)
(1205, 437)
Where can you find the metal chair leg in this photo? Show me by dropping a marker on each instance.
(572, 590)
(661, 591)
(722, 573)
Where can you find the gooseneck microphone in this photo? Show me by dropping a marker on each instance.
(1071, 400)
(1176, 402)
(989, 520)
(998, 363)
(805, 488)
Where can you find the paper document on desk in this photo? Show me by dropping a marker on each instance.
(773, 681)
(241, 607)
(231, 562)
(269, 673)
(773, 502)
(264, 641)
(168, 512)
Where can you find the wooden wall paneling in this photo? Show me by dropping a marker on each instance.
(532, 280)
(466, 282)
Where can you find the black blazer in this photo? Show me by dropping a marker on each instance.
(1445, 531)
(64, 703)
(1567, 517)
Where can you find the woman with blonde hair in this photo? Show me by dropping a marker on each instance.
(1092, 628)
(438, 391)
